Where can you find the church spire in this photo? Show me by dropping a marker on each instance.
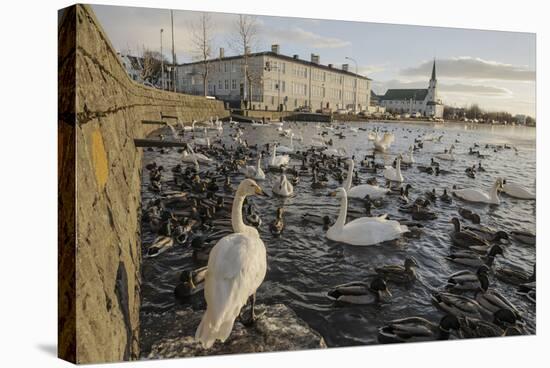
(433, 71)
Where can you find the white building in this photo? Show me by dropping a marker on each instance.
(412, 101)
(277, 82)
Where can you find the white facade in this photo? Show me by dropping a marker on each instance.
(278, 81)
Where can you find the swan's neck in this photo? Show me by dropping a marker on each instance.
(341, 220)
(197, 167)
(347, 184)
(258, 166)
(398, 167)
(494, 192)
(291, 145)
(273, 155)
(237, 214)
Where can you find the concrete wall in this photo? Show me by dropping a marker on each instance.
(108, 108)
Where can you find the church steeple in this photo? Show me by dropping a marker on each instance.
(433, 71)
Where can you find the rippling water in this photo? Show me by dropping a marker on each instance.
(303, 264)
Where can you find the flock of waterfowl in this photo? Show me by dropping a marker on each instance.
(197, 206)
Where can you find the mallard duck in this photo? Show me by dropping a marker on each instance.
(466, 239)
(471, 328)
(430, 195)
(316, 184)
(277, 226)
(419, 213)
(160, 245)
(468, 258)
(488, 234)
(467, 280)
(414, 329)
(491, 301)
(318, 219)
(252, 217)
(469, 215)
(529, 290)
(515, 276)
(457, 305)
(445, 197)
(227, 185)
(524, 237)
(359, 292)
(397, 273)
(191, 282)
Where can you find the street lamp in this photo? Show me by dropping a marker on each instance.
(356, 71)
(161, 62)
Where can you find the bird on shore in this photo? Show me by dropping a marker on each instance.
(236, 268)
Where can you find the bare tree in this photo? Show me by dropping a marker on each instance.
(151, 65)
(244, 40)
(202, 43)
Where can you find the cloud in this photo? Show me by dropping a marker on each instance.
(456, 88)
(466, 67)
(300, 35)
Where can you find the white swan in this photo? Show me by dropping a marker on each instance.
(278, 161)
(517, 191)
(478, 195)
(448, 156)
(408, 157)
(191, 157)
(353, 129)
(360, 191)
(173, 130)
(394, 174)
(364, 230)
(372, 136)
(285, 149)
(188, 157)
(256, 172)
(338, 152)
(203, 141)
(236, 268)
(382, 144)
(191, 127)
(283, 187)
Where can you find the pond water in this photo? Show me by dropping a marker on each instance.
(303, 264)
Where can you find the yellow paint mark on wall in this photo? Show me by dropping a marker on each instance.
(99, 159)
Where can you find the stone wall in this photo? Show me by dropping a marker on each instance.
(99, 296)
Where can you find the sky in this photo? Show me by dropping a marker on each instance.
(493, 69)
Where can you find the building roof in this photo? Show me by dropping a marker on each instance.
(433, 71)
(284, 57)
(405, 94)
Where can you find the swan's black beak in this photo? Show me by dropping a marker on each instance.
(260, 192)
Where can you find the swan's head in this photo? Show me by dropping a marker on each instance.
(500, 182)
(250, 187)
(338, 193)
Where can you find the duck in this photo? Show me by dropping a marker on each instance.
(445, 197)
(318, 219)
(236, 268)
(488, 234)
(364, 230)
(524, 237)
(399, 274)
(315, 183)
(456, 305)
(361, 191)
(528, 290)
(469, 215)
(283, 187)
(361, 293)
(467, 280)
(515, 276)
(191, 282)
(160, 245)
(415, 329)
(255, 172)
(394, 174)
(277, 226)
(227, 186)
(447, 155)
(419, 213)
(480, 196)
(278, 161)
(252, 217)
(466, 239)
(469, 258)
(517, 191)
(476, 328)
(491, 301)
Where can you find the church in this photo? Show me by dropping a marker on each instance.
(423, 101)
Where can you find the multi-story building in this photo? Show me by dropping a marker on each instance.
(277, 81)
(424, 101)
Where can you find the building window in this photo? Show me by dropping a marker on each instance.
(234, 84)
(226, 84)
(220, 84)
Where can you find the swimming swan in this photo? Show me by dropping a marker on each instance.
(283, 187)
(360, 191)
(256, 172)
(478, 195)
(516, 191)
(285, 149)
(364, 230)
(447, 156)
(236, 268)
(382, 144)
(408, 157)
(394, 174)
(278, 161)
